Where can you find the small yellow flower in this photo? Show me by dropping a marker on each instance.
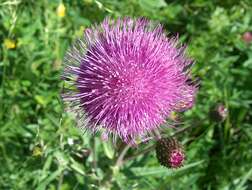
(61, 10)
(37, 151)
(9, 44)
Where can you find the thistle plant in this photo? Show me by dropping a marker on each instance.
(126, 77)
(40, 147)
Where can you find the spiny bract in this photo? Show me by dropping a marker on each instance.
(126, 77)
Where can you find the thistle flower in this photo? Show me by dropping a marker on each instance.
(126, 77)
(170, 153)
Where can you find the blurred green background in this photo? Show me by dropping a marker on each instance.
(41, 149)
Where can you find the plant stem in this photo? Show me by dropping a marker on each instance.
(139, 153)
(123, 148)
(94, 153)
(60, 180)
(120, 158)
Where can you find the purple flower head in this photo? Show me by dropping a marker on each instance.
(126, 77)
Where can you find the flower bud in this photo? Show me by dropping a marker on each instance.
(170, 153)
(247, 37)
(218, 113)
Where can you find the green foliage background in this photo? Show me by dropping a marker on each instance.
(36, 135)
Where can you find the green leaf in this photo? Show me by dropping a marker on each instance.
(151, 5)
(49, 179)
(108, 149)
(77, 167)
(162, 171)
